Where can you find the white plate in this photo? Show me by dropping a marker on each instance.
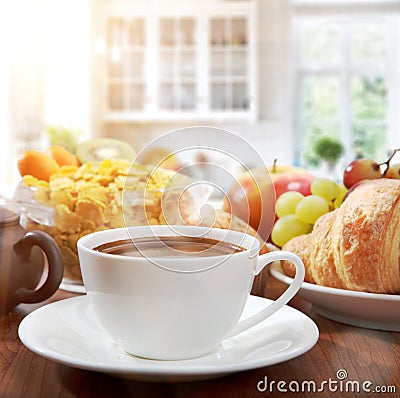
(368, 310)
(68, 332)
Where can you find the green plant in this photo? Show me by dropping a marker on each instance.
(328, 148)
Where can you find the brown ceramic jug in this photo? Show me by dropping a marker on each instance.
(22, 263)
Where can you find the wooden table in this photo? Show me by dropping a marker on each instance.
(366, 355)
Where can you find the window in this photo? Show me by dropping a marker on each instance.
(43, 76)
(345, 82)
(4, 106)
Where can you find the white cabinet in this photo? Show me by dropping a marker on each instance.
(125, 69)
(184, 62)
(229, 63)
(177, 73)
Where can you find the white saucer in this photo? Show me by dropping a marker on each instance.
(72, 287)
(68, 332)
(367, 310)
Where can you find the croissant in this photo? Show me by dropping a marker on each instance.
(300, 245)
(356, 247)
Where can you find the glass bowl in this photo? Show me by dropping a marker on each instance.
(68, 208)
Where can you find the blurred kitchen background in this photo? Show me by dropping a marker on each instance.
(280, 73)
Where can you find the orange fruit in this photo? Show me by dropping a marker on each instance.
(37, 164)
(62, 156)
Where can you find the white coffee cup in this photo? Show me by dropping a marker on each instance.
(176, 308)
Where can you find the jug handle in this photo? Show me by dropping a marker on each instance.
(23, 250)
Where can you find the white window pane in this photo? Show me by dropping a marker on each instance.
(115, 31)
(136, 96)
(320, 43)
(218, 63)
(167, 64)
(187, 96)
(136, 64)
(369, 98)
(320, 97)
(239, 63)
(370, 140)
(218, 34)
(188, 63)
(239, 31)
(167, 32)
(240, 96)
(116, 67)
(187, 31)
(167, 96)
(368, 43)
(218, 96)
(136, 32)
(116, 96)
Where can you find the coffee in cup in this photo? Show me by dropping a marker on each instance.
(169, 246)
(178, 305)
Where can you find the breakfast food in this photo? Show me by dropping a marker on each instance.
(88, 198)
(98, 149)
(114, 194)
(252, 196)
(297, 213)
(169, 246)
(42, 165)
(300, 245)
(37, 164)
(62, 156)
(322, 252)
(363, 169)
(357, 246)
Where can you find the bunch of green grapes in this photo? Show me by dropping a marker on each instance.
(298, 213)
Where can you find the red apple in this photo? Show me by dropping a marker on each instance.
(361, 169)
(252, 198)
(289, 178)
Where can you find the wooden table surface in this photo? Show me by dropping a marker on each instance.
(369, 357)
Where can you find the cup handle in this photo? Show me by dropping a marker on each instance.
(286, 296)
(23, 250)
